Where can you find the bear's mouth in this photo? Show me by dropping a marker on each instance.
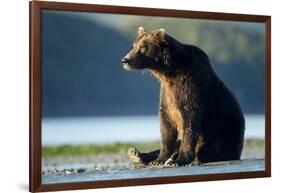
(127, 66)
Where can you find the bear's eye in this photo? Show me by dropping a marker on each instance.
(143, 49)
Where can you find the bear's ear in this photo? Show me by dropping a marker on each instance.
(140, 30)
(160, 33)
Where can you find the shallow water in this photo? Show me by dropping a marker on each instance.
(127, 172)
(95, 130)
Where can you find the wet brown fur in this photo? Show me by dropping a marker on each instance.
(200, 119)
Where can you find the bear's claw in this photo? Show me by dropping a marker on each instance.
(134, 155)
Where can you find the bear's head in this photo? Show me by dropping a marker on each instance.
(148, 51)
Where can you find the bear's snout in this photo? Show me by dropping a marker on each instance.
(124, 60)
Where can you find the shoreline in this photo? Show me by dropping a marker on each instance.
(53, 174)
(107, 160)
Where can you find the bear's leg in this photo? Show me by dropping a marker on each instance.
(220, 150)
(168, 140)
(187, 148)
(208, 154)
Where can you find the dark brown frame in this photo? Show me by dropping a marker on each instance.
(35, 8)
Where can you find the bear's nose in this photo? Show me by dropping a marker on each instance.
(124, 60)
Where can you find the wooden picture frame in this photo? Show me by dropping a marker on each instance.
(36, 7)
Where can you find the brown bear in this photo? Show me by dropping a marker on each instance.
(200, 119)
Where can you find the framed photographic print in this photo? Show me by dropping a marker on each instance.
(124, 96)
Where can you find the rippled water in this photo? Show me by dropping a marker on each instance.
(127, 173)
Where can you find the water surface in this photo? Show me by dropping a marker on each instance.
(75, 130)
(129, 173)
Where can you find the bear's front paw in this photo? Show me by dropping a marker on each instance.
(156, 163)
(160, 161)
(183, 160)
(171, 161)
(195, 162)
